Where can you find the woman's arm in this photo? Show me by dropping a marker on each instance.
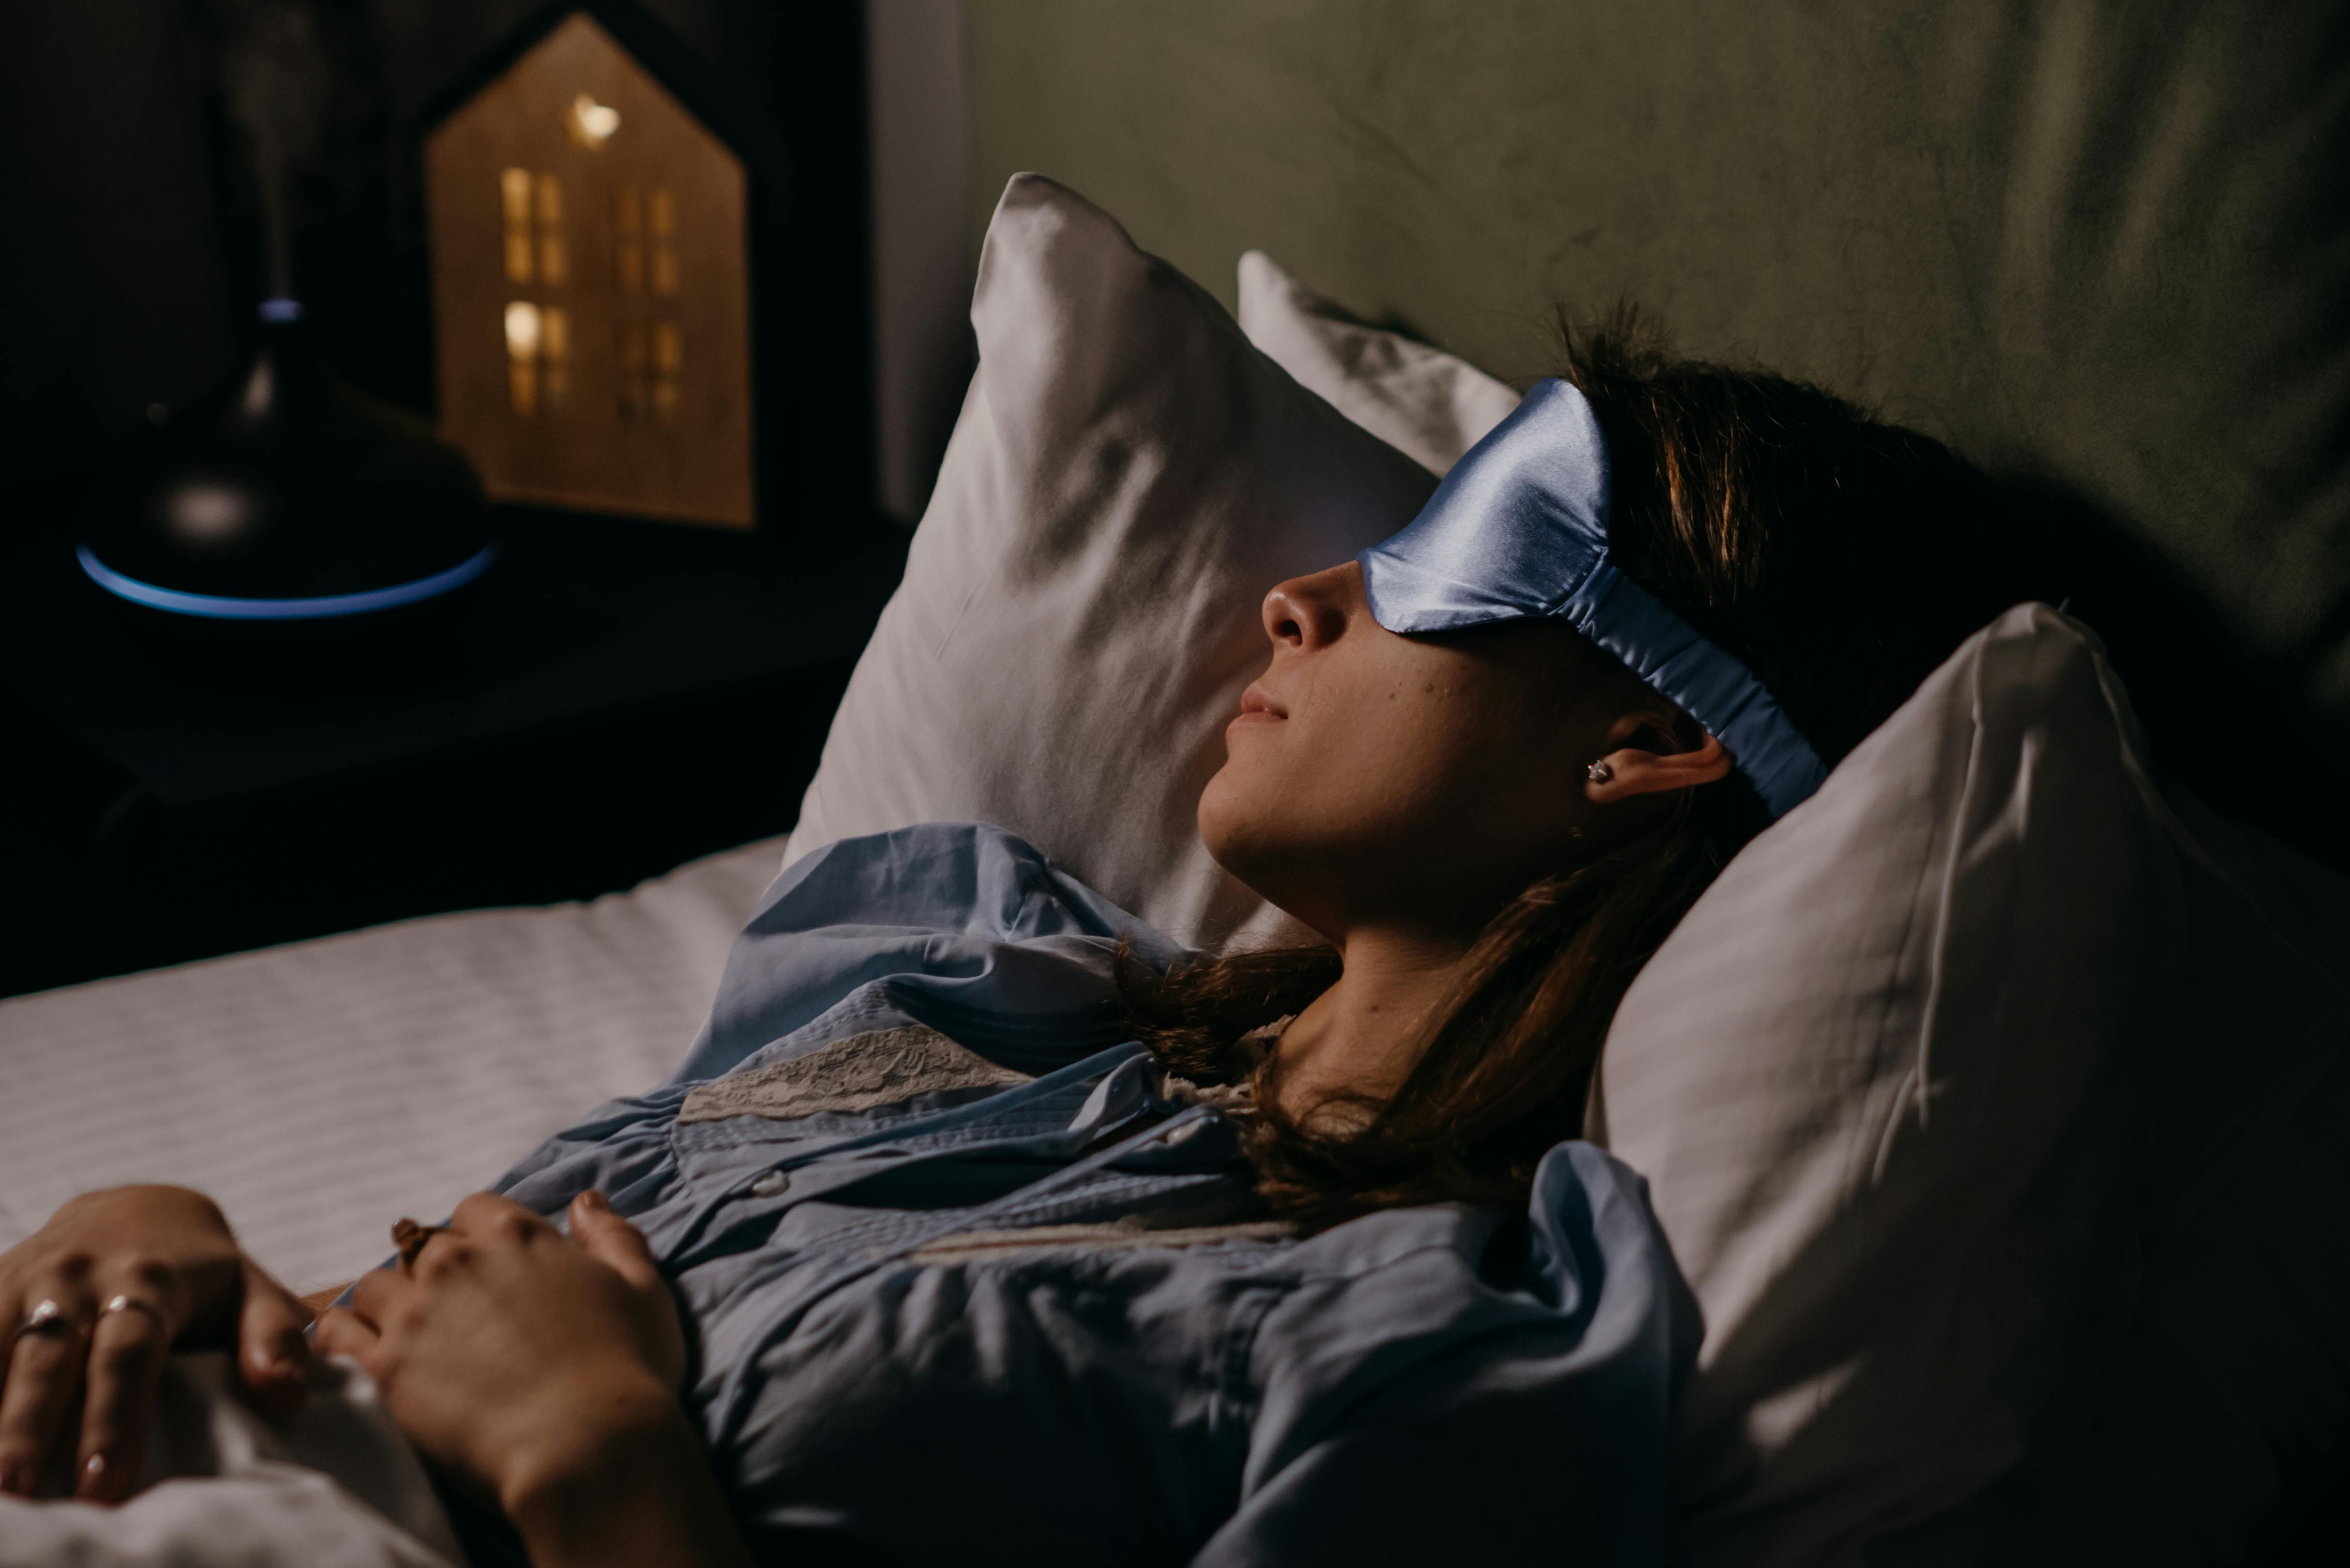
(645, 1497)
(90, 1304)
(543, 1371)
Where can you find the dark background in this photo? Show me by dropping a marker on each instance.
(617, 698)
(134, 250)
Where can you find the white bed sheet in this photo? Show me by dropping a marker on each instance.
(320, 1090)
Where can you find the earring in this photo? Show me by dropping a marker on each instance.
(1599, 773)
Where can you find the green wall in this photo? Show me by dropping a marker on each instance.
(2102, 243)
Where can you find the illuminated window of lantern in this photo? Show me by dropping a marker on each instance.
(591, 292)
(548, 206)
(513, 188)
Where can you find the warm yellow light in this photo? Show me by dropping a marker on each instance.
(590, 123)
(555, 349)
(513, 189)
(634, 388)
(522, 330)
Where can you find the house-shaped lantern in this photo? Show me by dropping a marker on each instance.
(591, 289)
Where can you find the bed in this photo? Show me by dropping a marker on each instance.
(2102, 253)
(317, 1086)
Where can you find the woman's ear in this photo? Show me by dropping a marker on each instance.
(1649, 758)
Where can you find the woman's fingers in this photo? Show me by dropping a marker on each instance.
(484, 1215)
(45, 1373)
(271, 1352)
(126, 1361)
(613, 1241)
(377, 1293)
(342, 1332)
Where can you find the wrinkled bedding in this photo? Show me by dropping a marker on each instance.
(336, 1488)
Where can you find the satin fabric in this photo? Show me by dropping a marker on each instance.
(1519, 529)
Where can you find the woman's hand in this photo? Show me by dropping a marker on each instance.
(543, 1369)
(90, 1304)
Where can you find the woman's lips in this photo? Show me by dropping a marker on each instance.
(1256, 708)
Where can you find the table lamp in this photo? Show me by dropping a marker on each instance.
(288, 496)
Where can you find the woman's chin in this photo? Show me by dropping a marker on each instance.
(1238, 830)
(1217, 818)
(1245, 840)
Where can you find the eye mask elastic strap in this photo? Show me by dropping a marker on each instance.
(1518, 531)
(1710, 686)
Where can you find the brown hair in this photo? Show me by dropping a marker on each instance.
(1827, 550)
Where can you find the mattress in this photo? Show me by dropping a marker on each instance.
(322, 1089)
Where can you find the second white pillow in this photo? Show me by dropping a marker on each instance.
(1887, 1080)
(1428, 404)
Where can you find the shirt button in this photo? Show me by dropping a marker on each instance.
(770, 1184)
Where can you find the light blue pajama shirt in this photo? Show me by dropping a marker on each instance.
(967, 1285)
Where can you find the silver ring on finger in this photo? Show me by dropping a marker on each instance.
(128, 1302)
(47, 1317)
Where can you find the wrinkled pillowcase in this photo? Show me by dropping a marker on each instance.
(1080, 609)
(1986, 1233)
(1422, 401)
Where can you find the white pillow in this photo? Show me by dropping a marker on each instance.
(1420, 400)
(1891, 1081)
(1080, 607)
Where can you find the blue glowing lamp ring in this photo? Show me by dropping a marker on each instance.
(322, 606)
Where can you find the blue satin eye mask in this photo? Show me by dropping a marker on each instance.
(1519, 528)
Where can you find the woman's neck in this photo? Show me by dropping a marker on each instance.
(1362, 1037)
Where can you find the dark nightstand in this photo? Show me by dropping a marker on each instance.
(607, 703)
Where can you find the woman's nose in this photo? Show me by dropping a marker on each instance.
(1312, 611)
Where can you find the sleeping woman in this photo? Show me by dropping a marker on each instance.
(984, 1225)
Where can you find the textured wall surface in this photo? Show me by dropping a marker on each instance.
(2105, 246)
(922, 253)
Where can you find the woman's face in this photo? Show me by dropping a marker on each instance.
(1424, 779)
